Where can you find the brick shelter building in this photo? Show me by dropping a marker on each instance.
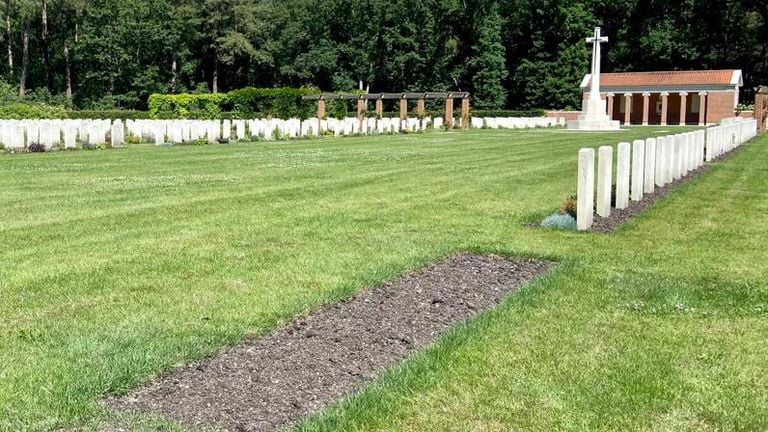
(674, 97)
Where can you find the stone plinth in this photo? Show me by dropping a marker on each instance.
(594, 118)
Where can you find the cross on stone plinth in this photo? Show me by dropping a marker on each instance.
(596, 40)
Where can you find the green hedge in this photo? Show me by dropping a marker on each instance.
(22, 111)
(507, 113)
(244, 103)
(472, 113)
(185, 105)
(252, 102)
(109, 114)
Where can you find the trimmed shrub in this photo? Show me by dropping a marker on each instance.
(506, 113)
(472, 113)
(559, 221)
(244, 103)
(36, 148)
(109, 114)
(23, 111)
(283, 103)
(187, 106)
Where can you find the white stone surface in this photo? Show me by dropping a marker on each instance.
(623, 164)
(638, 169)
(649, 176)
(117, 134)
(604, 180)
(586, 189)
(658, 173)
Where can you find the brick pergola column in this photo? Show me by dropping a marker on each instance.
(449, 112)
(664, 107)
(646, 107)
(420, 110)
(360, 108)
(610, 97)
(627, 108)
(379, 107)
(403, 108)
(465, 112)
(761, 97)
(702, 108)
(321, 108)
(683, 107)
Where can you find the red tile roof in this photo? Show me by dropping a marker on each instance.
(667, 78)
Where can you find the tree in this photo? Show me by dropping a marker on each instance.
(490, 70)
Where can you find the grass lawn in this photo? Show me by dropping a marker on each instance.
(119, 265)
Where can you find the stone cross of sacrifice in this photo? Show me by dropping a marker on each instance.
(596, 40)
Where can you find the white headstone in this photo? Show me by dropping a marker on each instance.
(117, 134)
(70, 136)
(622, 175)
(649, 176)
(586, 189)
(604, 180)
(658, 173)
(638, 168)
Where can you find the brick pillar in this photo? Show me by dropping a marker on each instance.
(683, 107)
(420, 110)
(627, 108)
(610, 97)
(646, 107)
(321, 108)
(465, 112)
(360, 108)
(664, 107)
(379, 108)
(448, 112)
(702, 108)
(403, 108)
(761, 104)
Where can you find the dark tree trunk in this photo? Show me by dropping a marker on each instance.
(173, 74)
(24, 60)
(68, 72)
(44, 45)
(215, 85)
(8, 35)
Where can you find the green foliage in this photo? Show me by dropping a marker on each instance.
(508, 113)
(23, 110)
(187, 106)
(244, 103)
(133, 139)
(559, 221)
(276, 102)
(109, 114)
(489, 68)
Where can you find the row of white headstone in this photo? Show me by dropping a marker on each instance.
(646, 164)
(516, 122)
(18, 134)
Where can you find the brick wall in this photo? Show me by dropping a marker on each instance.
(719, 106)
(568, 115)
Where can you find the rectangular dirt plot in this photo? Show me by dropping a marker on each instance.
(273, 382)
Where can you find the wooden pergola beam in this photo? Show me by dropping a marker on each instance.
(404, 97)
(389, 96)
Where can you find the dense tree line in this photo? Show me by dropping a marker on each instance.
(508, 53)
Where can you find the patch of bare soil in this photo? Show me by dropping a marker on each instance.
(273, 382)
